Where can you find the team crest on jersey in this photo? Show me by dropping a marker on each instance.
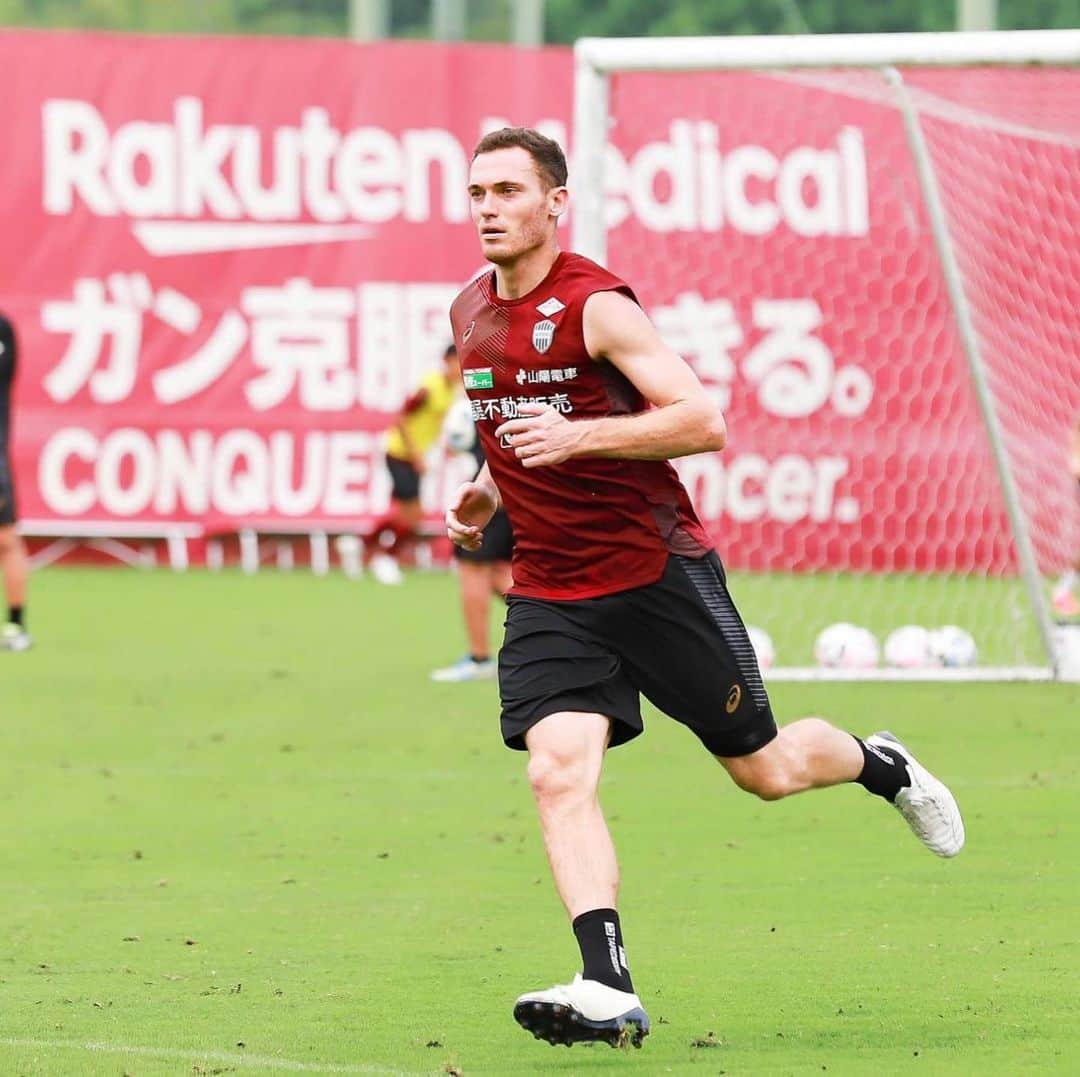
(543, 335)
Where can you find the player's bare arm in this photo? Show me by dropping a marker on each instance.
(683, 420)
(471, 510)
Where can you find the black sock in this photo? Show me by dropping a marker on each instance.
(884, 771)
(478, 658)
(602, 955)
(15, 615)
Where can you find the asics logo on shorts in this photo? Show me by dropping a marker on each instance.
(734, 698)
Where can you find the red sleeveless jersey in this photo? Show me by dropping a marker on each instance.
(591, 525)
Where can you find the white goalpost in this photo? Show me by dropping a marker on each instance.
(869, 248)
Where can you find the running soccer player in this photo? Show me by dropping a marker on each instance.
(14, 565)
(406, 444)
(617, 590)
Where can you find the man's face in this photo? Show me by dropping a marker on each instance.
(514, 212)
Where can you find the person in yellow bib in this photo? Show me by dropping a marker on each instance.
(417, 427)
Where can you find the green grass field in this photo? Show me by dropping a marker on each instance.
(242, 832)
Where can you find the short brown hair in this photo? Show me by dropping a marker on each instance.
(545, 152)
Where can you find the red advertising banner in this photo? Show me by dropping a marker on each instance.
(228, 262)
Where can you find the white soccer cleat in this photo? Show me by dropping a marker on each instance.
(585, 1011)
(14, 637)
(386, 570)
(929, 808)
(467, 669)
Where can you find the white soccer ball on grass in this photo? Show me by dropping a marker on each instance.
(847, 646)
(908, 647)
(764, 649)
(459, 430)
(953, 647)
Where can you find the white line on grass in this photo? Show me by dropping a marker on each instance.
(230, 1058)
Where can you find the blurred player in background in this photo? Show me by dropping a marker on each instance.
(416, 429)
(617, 589)
(482, 573)
(1065, 600)
(14, 564)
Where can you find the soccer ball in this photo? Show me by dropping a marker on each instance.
(952, 646)
(762, 643)
(847, 646)
(459, 430)
(908, 647)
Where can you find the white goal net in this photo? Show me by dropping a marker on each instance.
(869, 249)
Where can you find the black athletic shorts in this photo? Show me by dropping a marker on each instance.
(7, 491)
(679, 642)
(496, 545)
(404, 479)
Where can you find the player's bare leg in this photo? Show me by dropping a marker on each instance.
(808, 754)
(475, 582)
(15, 570)
(476, 585)
(812, 754)
(566, 754)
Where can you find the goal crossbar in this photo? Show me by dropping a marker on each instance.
(607, 55)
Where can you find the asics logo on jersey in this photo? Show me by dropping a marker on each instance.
(734, 698)
(468, 332)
